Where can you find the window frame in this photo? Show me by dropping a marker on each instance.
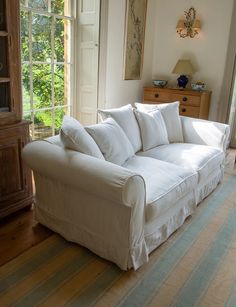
(71, 78)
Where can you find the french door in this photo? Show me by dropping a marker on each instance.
(88, 55)
(232, 116)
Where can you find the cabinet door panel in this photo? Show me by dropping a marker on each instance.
(10, 179)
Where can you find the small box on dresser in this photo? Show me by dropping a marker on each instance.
(192, 103)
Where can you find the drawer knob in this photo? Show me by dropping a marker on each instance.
(183, 110)
(185, 98)
(156, 95)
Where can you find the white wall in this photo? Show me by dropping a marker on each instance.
(119, 91)
(207, 52)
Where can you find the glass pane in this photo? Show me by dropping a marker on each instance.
(2, 16)
(5, 102)
(61, 7)
(42, 124)
(58, 117)
(61, 88)
(41, 38)
(3, 57)
(28, 116)
(61, 40)
(22, 2)
(38, 4)
(24, 36)
(42, 86)
(26, 87)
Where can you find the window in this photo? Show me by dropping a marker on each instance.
(46, 50)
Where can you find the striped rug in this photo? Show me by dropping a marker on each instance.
(195, 267)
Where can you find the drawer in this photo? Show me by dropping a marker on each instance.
(186, 99)
(190, 111)
(156, 96)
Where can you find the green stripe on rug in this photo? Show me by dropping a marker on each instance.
(27, 268)
(199, 280)
(41, 291)
(156, 275)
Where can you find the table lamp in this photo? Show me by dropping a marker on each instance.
(184, 68)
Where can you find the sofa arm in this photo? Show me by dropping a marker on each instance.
(204, 132)
(82, 171)
(103, 202)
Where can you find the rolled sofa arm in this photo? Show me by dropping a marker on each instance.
(79, 170)
(204, 132)
(90, 201)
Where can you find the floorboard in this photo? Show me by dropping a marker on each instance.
(18, 232)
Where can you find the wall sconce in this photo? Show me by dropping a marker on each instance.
(189, 27)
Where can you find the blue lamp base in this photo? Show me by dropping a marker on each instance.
(182, 81)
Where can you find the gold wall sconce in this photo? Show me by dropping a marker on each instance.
(189, 27)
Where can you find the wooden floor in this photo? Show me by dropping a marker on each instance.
(18, 232)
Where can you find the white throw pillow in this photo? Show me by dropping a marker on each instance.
(74, 136)
(170, 114)
(125, 118)
(112, 141)
(153, 129)
(144, 107)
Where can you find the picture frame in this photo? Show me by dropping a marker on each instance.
(134, 39)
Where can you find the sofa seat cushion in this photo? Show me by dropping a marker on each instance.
(165, 183)
(200, 158)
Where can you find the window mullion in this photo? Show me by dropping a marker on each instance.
(49, 6)
(53, 72)
(31, 72)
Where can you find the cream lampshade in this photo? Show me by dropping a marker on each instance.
(183, 67)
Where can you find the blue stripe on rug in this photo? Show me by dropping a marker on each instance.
(43, 290)
(155, 277)
(198, 282)
(101, 284)
(27, 268)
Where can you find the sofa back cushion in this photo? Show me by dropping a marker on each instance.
(112, 141)
(153, 129)
(170, 113)
(125, 118)
(75, 137)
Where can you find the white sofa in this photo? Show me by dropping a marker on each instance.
(123, 212)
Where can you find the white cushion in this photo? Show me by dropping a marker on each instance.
(153, 129)
(125, 118)
(74, 136)
(200, 158)
(112, 141)
(165, 183)
(170, 113)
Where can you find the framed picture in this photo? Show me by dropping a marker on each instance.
(134, 38)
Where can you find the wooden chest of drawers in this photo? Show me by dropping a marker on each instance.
(192, 103)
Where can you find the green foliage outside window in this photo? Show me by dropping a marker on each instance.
(44, 75)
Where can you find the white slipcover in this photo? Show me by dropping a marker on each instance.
(124, 212)
(125, 118)
(200, 158)
(165, 183)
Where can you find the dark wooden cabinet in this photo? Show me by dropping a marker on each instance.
(15, 177)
